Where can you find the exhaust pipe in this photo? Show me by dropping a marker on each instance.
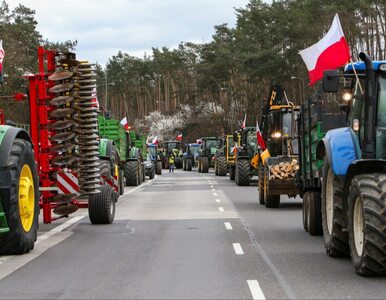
(370, 104)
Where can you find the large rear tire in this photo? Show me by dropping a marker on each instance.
(158, 169)
(132, 173)
(101, 206)
(232, 172)
(204, 165)
(314, 213)
(305, 209)
(188, 164)
(335, 239)
(243, 177)
(20, 201)
(366, 224)
(222, 167)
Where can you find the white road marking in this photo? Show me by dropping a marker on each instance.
(212, 186)
(218, 200)
(59, 228)
(213, 190)
(214, 194)
(228, 225)
(221, 209)
(255, 289)
(238, 249)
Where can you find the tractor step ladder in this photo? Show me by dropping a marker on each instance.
(3, 221)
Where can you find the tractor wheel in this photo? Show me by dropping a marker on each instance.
(216, 167)
(314, 213)
(199, 166)
(121, 182)
(101, 206)
(271, 201)
(335, 239)
(306, 200)
(222, 166)
(232, 172)
(189, 164)
(20, 200)
(132, 173)
(261, 184)
(143, 173)
(366, 223)
(152, 173)
(183, 164)
(204, 165)
(243, 177)
(158, 169)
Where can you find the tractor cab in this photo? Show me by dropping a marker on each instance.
(281, 133)
(248, 142)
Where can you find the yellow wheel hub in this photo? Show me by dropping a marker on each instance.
(26, 198)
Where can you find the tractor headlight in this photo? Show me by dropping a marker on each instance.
(276, 135)
(347, 96)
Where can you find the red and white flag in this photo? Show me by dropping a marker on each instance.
(124, 123)
(244, 122)
(330, 52)
(155, 141)
(2, 54)
(260, 140)
(179, 137)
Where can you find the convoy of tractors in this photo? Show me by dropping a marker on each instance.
(329, 152)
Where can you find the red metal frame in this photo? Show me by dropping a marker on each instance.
(2, 121)
(39, 119)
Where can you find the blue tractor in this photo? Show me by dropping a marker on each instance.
(354, 168)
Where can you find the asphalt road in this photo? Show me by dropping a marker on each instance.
(184, 235)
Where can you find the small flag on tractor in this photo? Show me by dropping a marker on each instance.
(124, 123)
(2, 55)
(244, 122)
(330, 52)
(179, 137)
(260, 140)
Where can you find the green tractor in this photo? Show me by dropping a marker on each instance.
(209, 147)
(243, 170)
(19, 192)
(129, 156)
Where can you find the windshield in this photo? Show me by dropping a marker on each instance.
(381, 120)
(152, 151)
(172, 146)
(287, 124)
(195, 149)
(212, 144)
(230, 145)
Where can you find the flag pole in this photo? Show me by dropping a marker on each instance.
(356, 76)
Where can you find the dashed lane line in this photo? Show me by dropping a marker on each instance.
(221, 209)
(228, 225)
(214, 194)
(238, 249)
(218, 200)
(255, 289)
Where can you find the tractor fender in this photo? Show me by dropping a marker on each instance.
(105, 148)
(341, 146)
(7, 135)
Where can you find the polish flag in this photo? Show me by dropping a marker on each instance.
(155, 141)
(244, 122)
(330, 52)
(2, 54)
(260, 140)
(124, 123)
(179, 137)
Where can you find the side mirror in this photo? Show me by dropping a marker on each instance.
(330, 81)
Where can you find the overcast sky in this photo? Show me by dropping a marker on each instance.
(103, 27)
